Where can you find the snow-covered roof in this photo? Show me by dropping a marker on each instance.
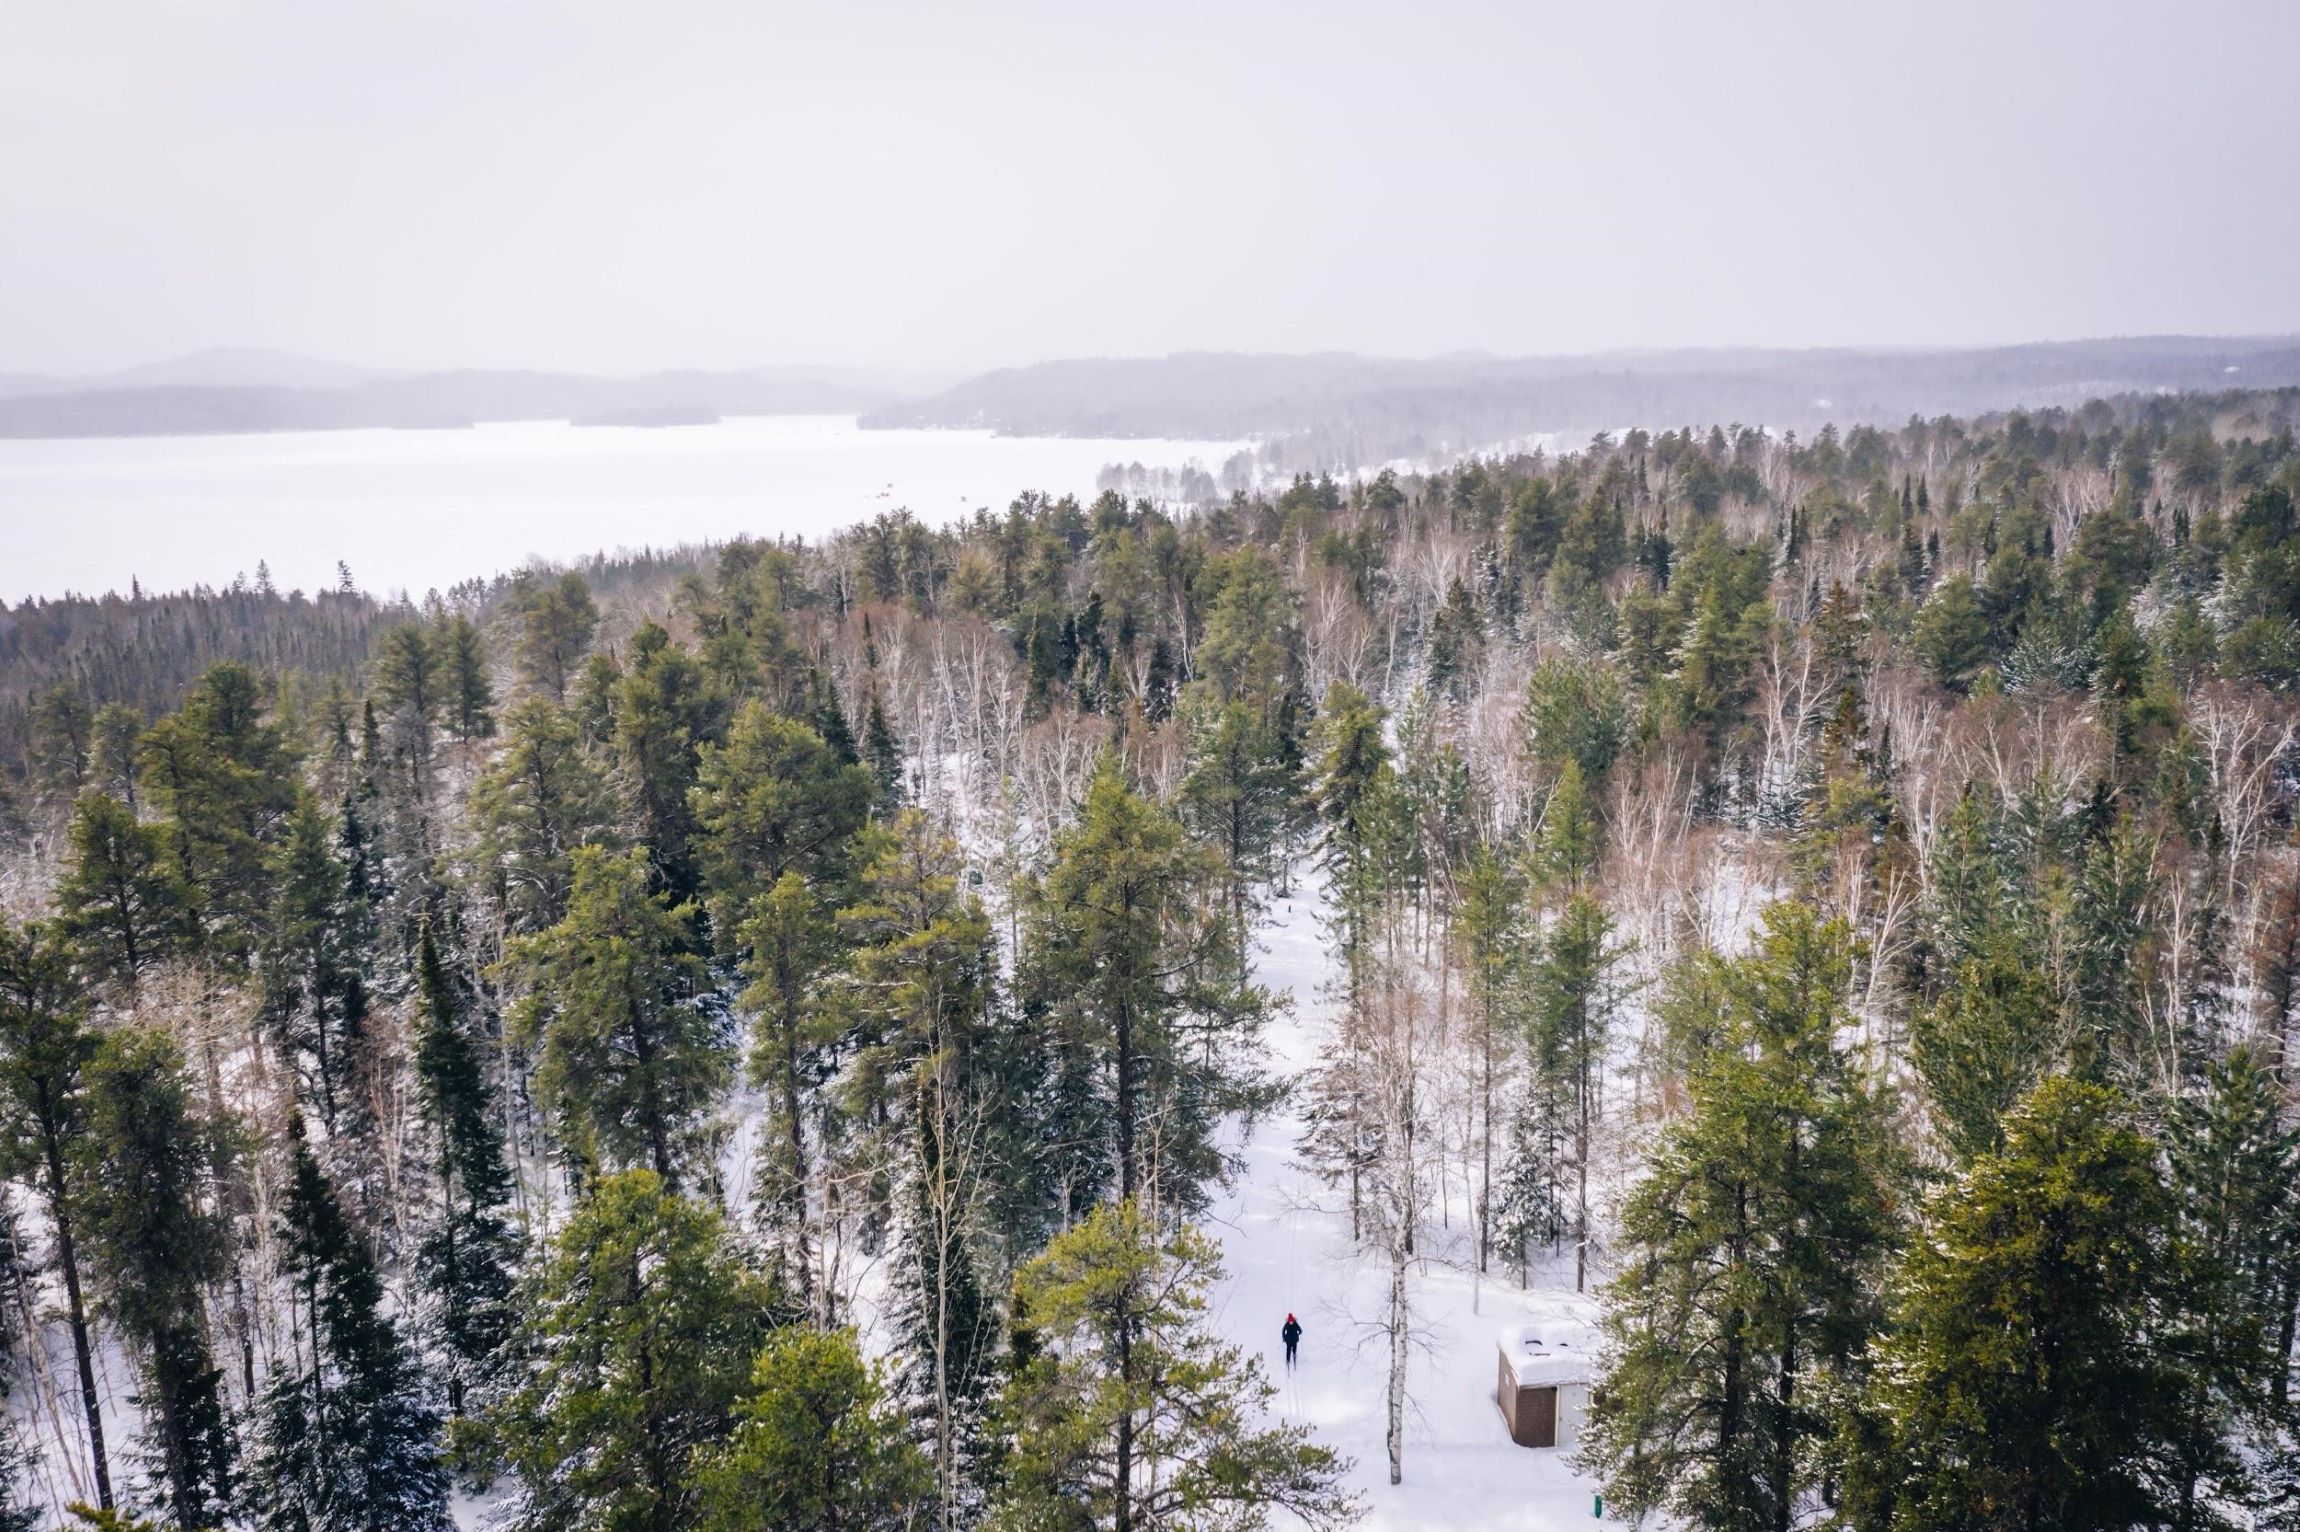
(1540, 1355)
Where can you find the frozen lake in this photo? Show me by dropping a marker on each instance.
(415, 510)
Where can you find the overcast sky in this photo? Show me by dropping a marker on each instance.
(618, 187)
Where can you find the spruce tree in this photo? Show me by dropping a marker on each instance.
(346, 1439)
(469, 706)
(314, 963)
(156, 1243)
(411, 694)
(465, 1259)
(883, 753)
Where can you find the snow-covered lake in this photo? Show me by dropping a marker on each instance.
(415, 510)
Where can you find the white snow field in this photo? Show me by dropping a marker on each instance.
(1286, 1248)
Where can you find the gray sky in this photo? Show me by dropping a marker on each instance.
(624, 186)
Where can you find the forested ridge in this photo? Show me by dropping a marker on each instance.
(747, 1040)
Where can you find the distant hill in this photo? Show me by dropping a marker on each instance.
(247, 391)
(242, 367)
(1336, 408)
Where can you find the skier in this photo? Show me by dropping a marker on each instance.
(1293, 1337)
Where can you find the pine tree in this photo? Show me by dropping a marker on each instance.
(788, 945)
(1128, 1414)
(1567, 845)
(663, 714)
(1754, 1252)
(466, 1256)
(218, 775)
(2023, 1384)
(1120, 943)
(156, 1242)
(774, 799)
(557, 619)
(347, 1441)
(45, 1050)
(631, 1063)
(639, 1331)
(1996, 1030)
(815, 1447)
(122, 900)
(411, 693)
(116, 731)
(539, 799)
(1570, 1008)
(1239, 798)
(1490, 924)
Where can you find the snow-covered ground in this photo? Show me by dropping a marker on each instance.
(1286, 1247)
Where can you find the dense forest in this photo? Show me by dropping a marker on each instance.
(748, 1040)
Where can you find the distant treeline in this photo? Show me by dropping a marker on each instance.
(1338, 411)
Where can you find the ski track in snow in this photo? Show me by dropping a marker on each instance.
(1286, 1248)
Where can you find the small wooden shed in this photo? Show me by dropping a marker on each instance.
(1543, 1389)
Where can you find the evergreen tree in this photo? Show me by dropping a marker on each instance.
(639, 1330)
(122, 900)
(411, 694)
(774, 799)
(883, 752)
(45, 1050)
(919, 994)
(1490, 924)
(1754, 1252)
(346, 1440)
(539, 799)
(663, 714)
(63, 741)
(787, 945)
(557, 619)
(2024, 1383)
(466, 1256)
(218, 775)
(1127, 1414)
(469, 708)
(631, 1062)
(1123, 947)
(1568, 844)
(1569, 1013)
(116, 731)
(1239, 798)
(156, 1242)
(1995, 1031)
(314, 965)
(815, 1447)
